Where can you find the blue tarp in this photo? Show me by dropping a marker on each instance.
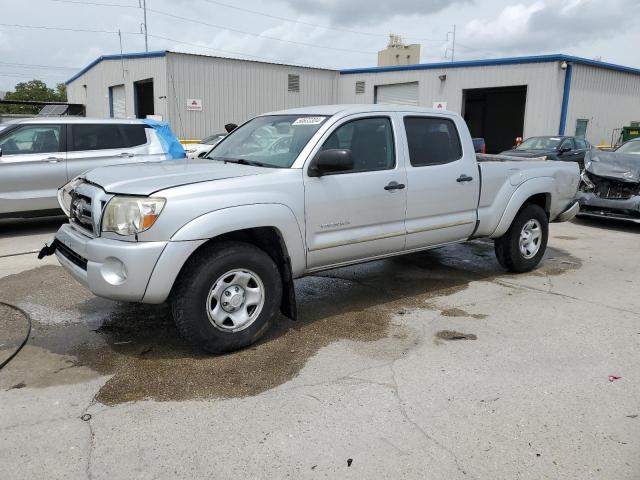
(170, 143)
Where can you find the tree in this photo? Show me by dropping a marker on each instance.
(33, 90)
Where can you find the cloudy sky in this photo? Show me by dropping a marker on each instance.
(326, 33)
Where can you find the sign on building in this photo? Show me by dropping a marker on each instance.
(194, 104)
(440, 105)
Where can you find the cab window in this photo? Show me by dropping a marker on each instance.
(97, 137)
(567, 145)
(32, 139)
(432, 141)
(370, 141)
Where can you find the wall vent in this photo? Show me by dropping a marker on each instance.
(360, 87)
(293, 82)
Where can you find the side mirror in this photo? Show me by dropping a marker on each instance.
(331, 161)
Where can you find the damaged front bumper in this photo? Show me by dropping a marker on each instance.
(621, 208)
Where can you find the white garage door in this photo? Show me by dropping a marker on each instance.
(118, 104)
(398, 94)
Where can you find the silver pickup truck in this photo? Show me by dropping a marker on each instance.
(294, 192)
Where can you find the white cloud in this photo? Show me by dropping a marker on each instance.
(552, 25)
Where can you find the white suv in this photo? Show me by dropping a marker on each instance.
(38, 155)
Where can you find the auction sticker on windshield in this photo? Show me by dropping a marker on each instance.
(308, 121)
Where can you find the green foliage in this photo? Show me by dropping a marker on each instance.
(33, 90)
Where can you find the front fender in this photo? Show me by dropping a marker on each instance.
(527, 189)
(242, 217)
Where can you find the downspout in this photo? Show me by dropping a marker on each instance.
(565, 98)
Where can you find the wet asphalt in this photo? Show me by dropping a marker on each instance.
(129, 356)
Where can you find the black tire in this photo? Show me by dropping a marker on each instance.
(202, 270)
(507, 247)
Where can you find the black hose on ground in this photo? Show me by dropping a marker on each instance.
(26, 338)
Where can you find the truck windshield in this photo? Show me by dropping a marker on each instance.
(270, 141)
(540, 143)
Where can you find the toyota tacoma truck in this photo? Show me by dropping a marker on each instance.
(294, 192)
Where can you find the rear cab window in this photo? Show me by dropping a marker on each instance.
(432, 140)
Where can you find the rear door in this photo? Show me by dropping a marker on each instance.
(443, 181)
(32, 167)
(351, 215)
(93, 145)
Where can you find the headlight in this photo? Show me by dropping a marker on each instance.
(131, 215)
(64, 195)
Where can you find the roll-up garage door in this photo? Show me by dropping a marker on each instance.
(118, 104)
(397, 94)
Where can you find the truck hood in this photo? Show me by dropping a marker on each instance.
(528, 153)
(147, 178)
(623, 167)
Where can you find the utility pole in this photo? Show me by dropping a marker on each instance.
(144, 9)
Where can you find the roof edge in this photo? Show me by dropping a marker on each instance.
(557, 57)
(157, 53)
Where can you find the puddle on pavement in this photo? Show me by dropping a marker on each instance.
(77, 336)
(458, 312)
(453, 335)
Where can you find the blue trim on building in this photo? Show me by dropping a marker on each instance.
(565, 98)
(159, 53)
(494, 62)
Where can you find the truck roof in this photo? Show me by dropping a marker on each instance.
(348, 109)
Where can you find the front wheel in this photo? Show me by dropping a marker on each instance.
(227, 296)
(522, 247)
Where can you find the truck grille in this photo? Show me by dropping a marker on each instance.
(81, 211)
(85, 210)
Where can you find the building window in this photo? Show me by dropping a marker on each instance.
(581, 127)
(293, 83)
(360, 87)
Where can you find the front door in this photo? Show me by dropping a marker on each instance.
(32, 168)
(444, 182)
(360, 213)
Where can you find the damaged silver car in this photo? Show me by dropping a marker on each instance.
(610, 183)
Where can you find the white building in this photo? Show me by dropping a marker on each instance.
(500, 99)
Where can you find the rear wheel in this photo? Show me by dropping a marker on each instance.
(522, 247)
(227, 296)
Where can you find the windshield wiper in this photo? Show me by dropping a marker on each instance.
(240, 161)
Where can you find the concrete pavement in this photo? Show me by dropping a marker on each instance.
(434, 365)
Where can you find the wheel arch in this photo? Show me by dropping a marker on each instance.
(271, 227)
(536, 191)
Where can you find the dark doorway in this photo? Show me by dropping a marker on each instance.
(144, 98)
(495, 114)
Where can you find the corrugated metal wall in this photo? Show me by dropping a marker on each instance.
(234, 91)
(109, 73)
(544, 83)
(608, 99)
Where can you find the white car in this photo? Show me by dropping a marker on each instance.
(195, 150)
(38, 155)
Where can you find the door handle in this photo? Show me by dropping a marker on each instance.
(54, 159)
(464, 178)
(394, 186)
(126, 155)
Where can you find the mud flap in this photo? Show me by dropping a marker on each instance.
(288, 305)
